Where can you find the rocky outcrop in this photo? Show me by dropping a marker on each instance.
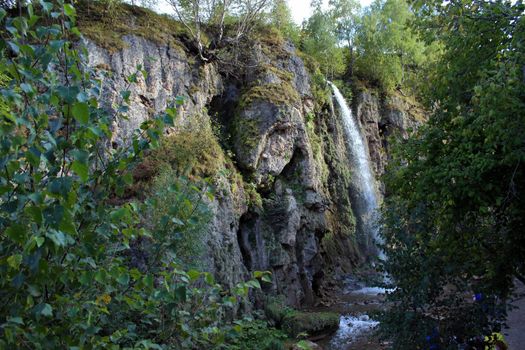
(162, 74)
(275, 150)
(385, 116)
(282, 202)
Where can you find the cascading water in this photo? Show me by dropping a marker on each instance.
(363, 178)
(355, 323)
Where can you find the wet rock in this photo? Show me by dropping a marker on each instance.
(381, 117)
(307, 344)
(300, 225)
(312, 323)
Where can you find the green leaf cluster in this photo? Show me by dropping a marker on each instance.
(75, 271)
(454, 217)
(388, 49)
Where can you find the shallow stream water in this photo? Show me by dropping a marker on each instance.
(356, 326)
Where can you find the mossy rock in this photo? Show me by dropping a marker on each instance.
(106, 24)
(247, 131)
(312, 323)
(192, 151)
(282, 74)
(282, 93)
(272, 42)
(276, 311)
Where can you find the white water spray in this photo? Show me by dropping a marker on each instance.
(363, 179)
(350, 328)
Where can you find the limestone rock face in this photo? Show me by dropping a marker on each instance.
(381, 117)
(170, 73)
(288, 208)
(273, 147)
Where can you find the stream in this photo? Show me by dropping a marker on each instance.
(356, 327)
(358, 300)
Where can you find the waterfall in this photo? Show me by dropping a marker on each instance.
(363, 178)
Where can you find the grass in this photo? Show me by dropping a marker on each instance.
(107, 24)
(282, 93)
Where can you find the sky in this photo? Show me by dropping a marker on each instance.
(300, 8)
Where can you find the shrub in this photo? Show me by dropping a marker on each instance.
(256, 335)
(177, 210)
(67, 278)
(191, 151)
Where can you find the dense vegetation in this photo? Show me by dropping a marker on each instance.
(77, 269)
(454, 215)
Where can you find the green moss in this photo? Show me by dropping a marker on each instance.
(312, 323)
(275, 310)
(280, 93)
(316, 143)
(107, 24)
(253, 197)
(246, 131)
(322, 94)
(280, 73)
(193, 151)
(270, 36)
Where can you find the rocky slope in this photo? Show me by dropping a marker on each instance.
(282, 179)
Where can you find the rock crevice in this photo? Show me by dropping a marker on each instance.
(289, 210)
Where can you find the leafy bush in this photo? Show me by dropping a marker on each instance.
(453, 221)
(256, 335)
(67, 278)
(177, 212)
(387, 48)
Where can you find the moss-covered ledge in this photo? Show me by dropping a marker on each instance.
(312, 323)
(106, 24)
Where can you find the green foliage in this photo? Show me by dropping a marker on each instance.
(69, 276)
(177, 212)
(320, 42)
(3, 105)
(454, 218)
(281, 18)
(320, 89)
(346, 90)
(107, 22)
(346, 14)
(387, 49)
(253, 197)
(256, 335)
(311, 323)
(275, 310)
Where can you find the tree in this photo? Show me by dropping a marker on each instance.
(68, 271)
(281, 18)
(320, 41)
(386, 46)
(346, 14)
(199, 16)
(454, 215)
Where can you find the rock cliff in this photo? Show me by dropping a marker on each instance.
(282, 183)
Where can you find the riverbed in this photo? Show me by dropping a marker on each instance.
(356, 305)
